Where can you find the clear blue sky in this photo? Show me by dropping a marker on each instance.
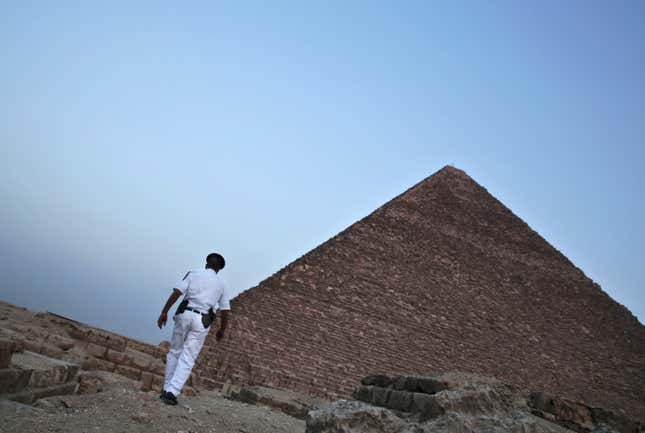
(139, 136)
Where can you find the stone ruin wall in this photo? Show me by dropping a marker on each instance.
(89, 347)
(444, 277)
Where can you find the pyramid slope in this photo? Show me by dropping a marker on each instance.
(442, 277)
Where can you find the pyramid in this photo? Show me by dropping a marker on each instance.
(442, 277)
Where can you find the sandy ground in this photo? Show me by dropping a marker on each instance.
(121, 408)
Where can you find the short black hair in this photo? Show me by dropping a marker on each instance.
(215, 260)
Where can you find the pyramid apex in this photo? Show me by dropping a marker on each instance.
(452, 170)
(449, 174)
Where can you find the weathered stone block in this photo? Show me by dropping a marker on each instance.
(158, 367)
(400, 383)
(31, 395)
(377, 380)
(289, 402)
(92, 363)
(61, 342)
(425, 384)
(96, 337)
(352, 417)
(157, 382)
(89, 384)
(20, 345)
(542, 401)
(400, 400)
(32, 345)
(46, 371)
(78, 333)
(193, 380)
(231, 390)
(147, 379)
(54, 375)
(574, 415)
(164, 346)
(248, 396)
(106, 339)
(429, 385)
(130, 372)
(13, 380)
(115, 356)
(426, 405)
(96, 351)
(380, 395)
(51, 351)
(72, 371)
(115, 342)
(226, 388)
(160, 353)
(363, 393)
(7, 348)
(207, 383)
(137, 360)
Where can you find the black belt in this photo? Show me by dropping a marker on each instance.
(195, 311)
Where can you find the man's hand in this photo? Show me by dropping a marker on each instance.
(219, 334)
(161, 321)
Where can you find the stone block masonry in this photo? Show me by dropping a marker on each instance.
(7, 348)
(442, 277)
(91, 348)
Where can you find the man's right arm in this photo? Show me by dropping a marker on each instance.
(180, 288)
(163, 317)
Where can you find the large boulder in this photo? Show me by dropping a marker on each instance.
(290, 402)
(348, 416)
(455, 403)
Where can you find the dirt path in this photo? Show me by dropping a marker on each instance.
(121, 408)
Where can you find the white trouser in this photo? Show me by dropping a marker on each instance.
(188, 336)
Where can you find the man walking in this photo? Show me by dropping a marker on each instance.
(204, 293)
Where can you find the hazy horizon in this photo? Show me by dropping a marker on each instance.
(222, 274)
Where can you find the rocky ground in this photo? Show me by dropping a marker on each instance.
(58, 375)
(456, 402)
(120, 407)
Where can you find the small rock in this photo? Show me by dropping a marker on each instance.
(89, 384)
(141, 418)
(70, 403)
(189, 392)
(45, 403)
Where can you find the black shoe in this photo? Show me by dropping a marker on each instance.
(163, 394)
(169, 398)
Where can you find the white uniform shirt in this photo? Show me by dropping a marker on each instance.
(204, 289)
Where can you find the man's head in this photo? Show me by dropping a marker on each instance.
(215, 262)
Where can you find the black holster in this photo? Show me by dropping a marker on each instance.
(208, 318)
(182, 307)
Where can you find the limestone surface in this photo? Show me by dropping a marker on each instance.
(457, 402)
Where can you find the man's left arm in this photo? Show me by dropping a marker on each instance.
(223, 324)
(225, 309)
